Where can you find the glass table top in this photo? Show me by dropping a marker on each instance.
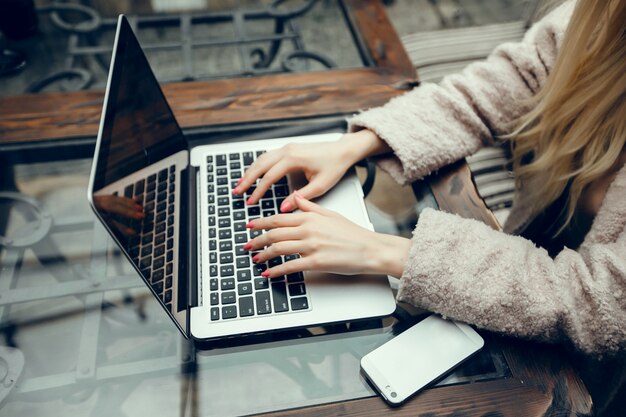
(82, 336)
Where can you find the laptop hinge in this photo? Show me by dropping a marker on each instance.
(194, 255)
(188, 271)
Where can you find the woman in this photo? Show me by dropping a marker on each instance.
(564, 115)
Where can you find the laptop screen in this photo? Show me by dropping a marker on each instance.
(139, 127)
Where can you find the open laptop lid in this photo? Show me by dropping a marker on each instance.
(137, 130)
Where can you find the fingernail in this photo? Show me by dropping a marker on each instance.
(236, 190)
(249, 201)
(250, 225)
(139, 215)
(265, 274)
(286, 206)
(247, 246)
(255, 258)
(138, 207)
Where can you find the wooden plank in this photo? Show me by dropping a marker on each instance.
(52, 116)
(27, 119)
(503, 398)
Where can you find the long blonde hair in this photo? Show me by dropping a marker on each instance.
(576, 129)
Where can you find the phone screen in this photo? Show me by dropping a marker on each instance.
(420, 355)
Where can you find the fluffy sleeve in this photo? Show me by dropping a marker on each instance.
(505, 283)
(434, 125)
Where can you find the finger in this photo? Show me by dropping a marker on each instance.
(288, 247)
(274, 236)
(289, 267)
(278, 220)
(125, 230)
(317, 186)
(271, 176)
(259, 167)
(309, 206)
(126, 210)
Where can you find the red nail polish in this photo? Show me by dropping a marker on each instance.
(249, 225)
(265, 274)
(285, 207)
(255, 258)
(247, 246)
(235, 190)
(249, 201)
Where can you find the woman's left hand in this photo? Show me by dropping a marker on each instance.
(325, 241)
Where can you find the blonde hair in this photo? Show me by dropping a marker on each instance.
(576, 129)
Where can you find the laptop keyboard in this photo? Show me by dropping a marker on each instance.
(152, 248)
(236, 287)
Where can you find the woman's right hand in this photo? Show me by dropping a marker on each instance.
(323, 165)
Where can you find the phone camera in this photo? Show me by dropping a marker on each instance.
(393, 394)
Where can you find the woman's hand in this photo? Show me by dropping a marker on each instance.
(325, 241)
(323, 165)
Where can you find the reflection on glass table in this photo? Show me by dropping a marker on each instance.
(83, 335)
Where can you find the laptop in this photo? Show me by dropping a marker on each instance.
(188, 249)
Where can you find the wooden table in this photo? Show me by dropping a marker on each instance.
(542, 382)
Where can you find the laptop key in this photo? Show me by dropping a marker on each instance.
(222, 181)
(229, 312)
(296, 290)
(157, 275)
(261, 284)
(159, 250)
(244, 275)
(220, 160)
(223, 211)
(226, 245)
(213, 270)
(128, 191)
(240, 251)
(213, 257)
(213, 284)
(254, 211)
(225, 234)
(139, 187)
(246, 306)
(279, 294)
(169, 268)
(233, 157)
(263, 302)
(223, 201)
(238, 204)
(255, 233)
(296, 277)
(267, 204)
(224, 222)
(300, 303)
(168, 296)
(168, 282)
(227, 271)
(226, 258)
(275, 262)
(170, 256)
(241, 238)
(215, 313)
(209, 159)
(158, 287)
(235, 175)
(248, 157)
(243, 262)
(227, 284)
(281, 191)
(211, 209)
(221, 171)
(258, 269)
(222, 190)
(162, 186)
(212, 245)
(211, 221)
(172, 169)
(239, 215)
(214, 299)
(268, 213)
(244, 289)
(158, 263)
(229, 297)
(235, 165)
(212, 233)
(163, 174)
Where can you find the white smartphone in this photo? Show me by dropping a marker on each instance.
(419, 356)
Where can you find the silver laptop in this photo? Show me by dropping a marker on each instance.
(189, 246)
